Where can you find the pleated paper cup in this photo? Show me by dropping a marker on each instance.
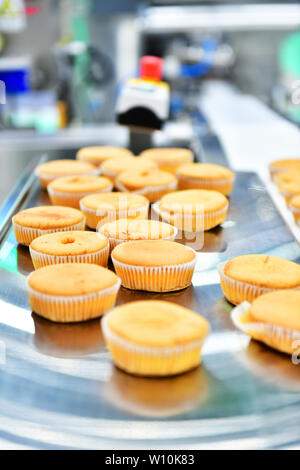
(193, 222)
(39, 260)
(46, 178)
(25, 235)
(113, 242)
(152, 193)
(277, 337)
(71, 199)
(223, 186)
(238, 291)
(68, 309)
(95, 218)
(151, 361)
(155, 278)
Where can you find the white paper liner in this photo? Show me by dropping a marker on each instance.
(97, 257)
(245, 291)
(112, 337)
(113, 242)
(76, 195)
(155, 278)
(260, 328)
(29, 233)
(190, 220)
(111, 216)
(46, 178)
(79, 305)
(152, 192)
(205, 182)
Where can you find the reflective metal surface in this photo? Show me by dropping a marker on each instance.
(59, 389)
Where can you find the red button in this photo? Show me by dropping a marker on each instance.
(151, 68)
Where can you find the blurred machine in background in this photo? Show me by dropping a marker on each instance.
(76, 54)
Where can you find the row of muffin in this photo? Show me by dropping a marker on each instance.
(286, 175)
(125, 359)
(152, 265)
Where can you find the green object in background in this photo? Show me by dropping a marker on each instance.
(289, 55)
(289, 64)
(81, 33)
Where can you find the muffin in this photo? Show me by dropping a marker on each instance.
(72, 292)
(153, 184)
(115, 166)
(48, 171)
(68, 191)
(193, 210)
(289, 190)
(273, 319)
(154, 338)
(248, 276)
(294, 206)
(98, 154)
(154, 265)
(286, 177)
(168, 159)
(102, 208)
(70, 247)
(282, 165)
(36, 221)
(123, 230)
(205, 176)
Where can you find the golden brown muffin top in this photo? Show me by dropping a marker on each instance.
(65, 167)
(69, 243)
(287, 176)
(193, 201)
(153, 253)
(168, 156)
(119, 165)
(114, 201)
(206, 171)
(281, 308)
(264, 271)
(127, 229)
(80, 184)
(139, 179)
(71, 279)
(47, 217)
(283, 164)
(157, 323)
(98, 154)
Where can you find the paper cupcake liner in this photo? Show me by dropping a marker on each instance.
(238, 291)
(152, 193)
(111, 175)
(151, 361)
(46, 178)
(193, 222)
(40, 260)
(68, 309)
(223, 186)
(277, 337)
(72, 199)
(25, 235)
(155, 278)
(113, 242)
(95, 218)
